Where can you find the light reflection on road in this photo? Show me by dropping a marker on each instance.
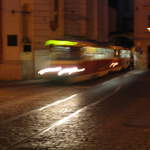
(62, 121)
(46, 118)
(58, 102)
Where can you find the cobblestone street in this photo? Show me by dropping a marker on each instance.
(107, 115)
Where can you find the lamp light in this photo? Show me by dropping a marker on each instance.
(148, 29)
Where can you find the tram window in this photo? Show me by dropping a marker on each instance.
(98, 53)
(64, 53)
(105, 53)
(75, 53)
(88, 52)
(125, 53)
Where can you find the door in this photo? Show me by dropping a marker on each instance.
(148, 51)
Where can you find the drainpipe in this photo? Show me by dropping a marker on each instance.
(1, 42)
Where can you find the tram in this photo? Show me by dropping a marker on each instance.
(77, 61)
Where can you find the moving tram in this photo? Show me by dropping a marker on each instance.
(77, 61)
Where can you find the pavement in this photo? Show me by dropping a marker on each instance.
(14, 82)
(120, 122)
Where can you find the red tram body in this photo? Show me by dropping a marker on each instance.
(79, 60)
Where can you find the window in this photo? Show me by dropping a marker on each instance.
(125, 53)
(27, 48)
(12, 40)
(65, 53)
(56, 6)
(148, 20)
(98, 53)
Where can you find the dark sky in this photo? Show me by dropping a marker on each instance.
(113, 3)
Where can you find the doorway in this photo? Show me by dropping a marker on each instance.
(148, 56)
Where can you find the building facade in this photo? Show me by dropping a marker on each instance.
(1, 52)
(141, 33)
(25, 26)
(121, 14)
(86, 19)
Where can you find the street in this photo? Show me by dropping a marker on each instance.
(111, 113)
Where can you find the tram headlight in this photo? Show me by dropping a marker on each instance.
(61, 71)
(47, 70)
(112, 65)
(70, 71)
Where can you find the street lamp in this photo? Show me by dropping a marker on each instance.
(148, 29)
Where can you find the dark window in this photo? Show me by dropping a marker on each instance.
(113, 3)
(148, 18)
(27, 48)
(148, 49)
(56, 5)
(12, 40)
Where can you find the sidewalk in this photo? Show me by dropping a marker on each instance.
(35, 81)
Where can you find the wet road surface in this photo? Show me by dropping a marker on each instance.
(100, 115)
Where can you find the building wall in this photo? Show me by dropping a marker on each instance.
(112, 20)
(125, 16)
(103, 20)
(141, 34)
(1, 49)
(75, 18)
(87, 19)
(32, 23)
(92, 21)
(35, 21)
(48, 23)
(10, 67)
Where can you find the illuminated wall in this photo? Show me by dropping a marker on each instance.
(1, 50)
(26, 25)
(86, 19)
(48, 21)
(92, 22)
(141, 34)
(75, 18)
(11, 30)
(103, 20)
(10, 67)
